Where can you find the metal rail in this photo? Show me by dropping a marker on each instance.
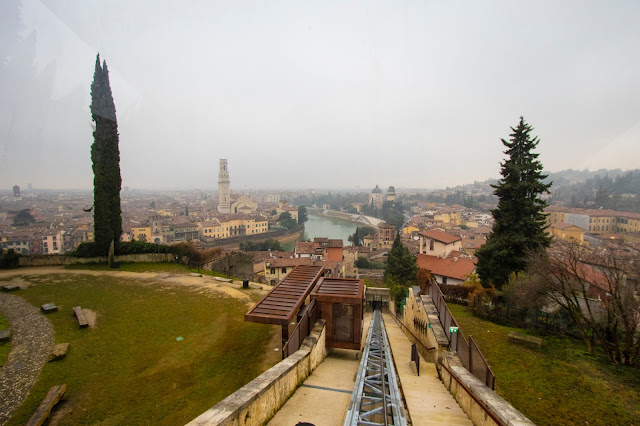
(376, 398)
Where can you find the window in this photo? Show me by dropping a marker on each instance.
(284, 270)
(273, 270)
(431, 245)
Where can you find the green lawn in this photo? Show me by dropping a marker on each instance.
(130, 369)
(559, 383)
(5, 347)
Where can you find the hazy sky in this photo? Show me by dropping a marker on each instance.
(309, 94)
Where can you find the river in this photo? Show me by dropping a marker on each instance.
(322, 226)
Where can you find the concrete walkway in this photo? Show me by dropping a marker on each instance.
(323, 399)
(427, 399)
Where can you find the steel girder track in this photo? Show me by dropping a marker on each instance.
(376, 398)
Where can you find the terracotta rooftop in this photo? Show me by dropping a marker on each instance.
(594, 212)
(447, 267)
(279, 263)
(443, 237)
(303, 247)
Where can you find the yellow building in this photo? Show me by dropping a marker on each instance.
(408, 229)
(455, 218)
(567, 232)
(595, 221)
(233, 225)
(442, 217)
(141, 233)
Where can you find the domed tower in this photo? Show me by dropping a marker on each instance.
(391, 194)
(224, 189)
(376, 198)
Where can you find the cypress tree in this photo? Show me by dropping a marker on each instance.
(105, 155)
(519, 225)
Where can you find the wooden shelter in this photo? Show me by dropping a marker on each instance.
(341, 304)
(286, 300)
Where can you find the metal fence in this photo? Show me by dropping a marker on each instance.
(468, 351)
(302, 330)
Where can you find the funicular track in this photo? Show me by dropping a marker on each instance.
(376, 398)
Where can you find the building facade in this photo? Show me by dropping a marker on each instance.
(224, 188)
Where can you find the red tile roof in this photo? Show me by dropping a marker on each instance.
(447, 267)
(278, 263)
(305, 248)
(443, 237)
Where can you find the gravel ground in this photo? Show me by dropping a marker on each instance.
(32, 337)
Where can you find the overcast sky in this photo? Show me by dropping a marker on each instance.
(317, 94)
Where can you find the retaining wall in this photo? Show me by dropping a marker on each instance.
(483, 406)
(475, 398)
(426, 312)
(259, 400)
(62, 259)
(234, 264)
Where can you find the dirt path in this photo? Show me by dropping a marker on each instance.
(32, 337)
(208, 282)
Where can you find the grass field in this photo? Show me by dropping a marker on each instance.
(558, 384)
(130, 369)
(5, 347)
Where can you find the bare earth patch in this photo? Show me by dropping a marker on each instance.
(90, 316)
(208, 283)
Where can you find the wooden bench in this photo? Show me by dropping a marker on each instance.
(54, 395)
(82, 321)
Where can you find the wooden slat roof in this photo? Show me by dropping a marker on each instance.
(282, 303)
(339, 289)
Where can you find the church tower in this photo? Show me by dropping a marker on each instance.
(224, 189)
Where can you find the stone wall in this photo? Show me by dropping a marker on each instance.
(62, 259)
(435, 337)
(238, 265)
(475, 398)
(259, 400)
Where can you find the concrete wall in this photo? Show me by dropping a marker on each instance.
(467, 385)
(259, 400)
(56, 260)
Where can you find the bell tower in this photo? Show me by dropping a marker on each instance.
(224, 188)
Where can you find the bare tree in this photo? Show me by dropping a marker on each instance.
(598, 289)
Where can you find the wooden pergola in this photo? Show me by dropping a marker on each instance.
(282, 304)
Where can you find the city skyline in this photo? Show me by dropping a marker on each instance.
(417, 96)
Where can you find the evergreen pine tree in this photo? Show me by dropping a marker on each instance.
(105, 155)
(401, 264)
(519, 224)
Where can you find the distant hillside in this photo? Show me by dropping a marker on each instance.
(608, 189)
(571, 177)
